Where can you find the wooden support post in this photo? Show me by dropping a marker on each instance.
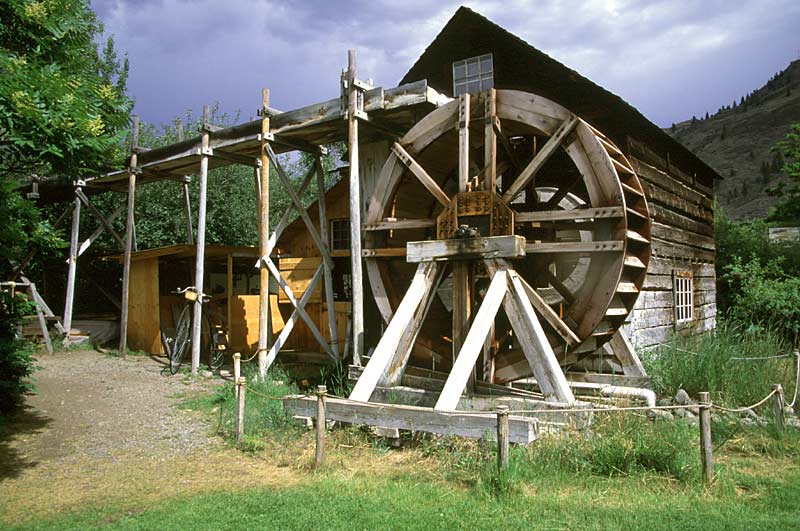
(319, 453)
(237, 372)
(490, 142)
(229, 298)
(706, 452)
(325, 236)
(241, 384)
(40, 316)
(263, 240)
(126, 261)
(72, 264)
(187, 203)
(502, 438)
(199, 259)
(778, 406)
(462, 271)
(355, 212)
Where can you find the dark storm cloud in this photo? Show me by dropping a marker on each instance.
(670, 59)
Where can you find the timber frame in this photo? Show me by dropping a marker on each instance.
(256, 144)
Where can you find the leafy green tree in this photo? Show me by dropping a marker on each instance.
(788, 209)
(62, 102)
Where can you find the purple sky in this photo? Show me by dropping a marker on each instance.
(670, 59)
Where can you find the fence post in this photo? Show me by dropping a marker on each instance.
(778, 405)
(706, 452)
(240, 385)
(502, 437)
(319, 454)
(237, 372)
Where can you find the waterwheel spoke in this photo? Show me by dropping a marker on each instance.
(420, 173)
(602, 246)
(541, 158)
(576, 214)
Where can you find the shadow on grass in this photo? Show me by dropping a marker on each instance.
(26, 421)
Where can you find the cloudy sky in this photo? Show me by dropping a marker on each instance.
(669, 58)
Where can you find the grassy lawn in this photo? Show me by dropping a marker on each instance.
(632, 474)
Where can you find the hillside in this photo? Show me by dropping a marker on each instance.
(736, 142)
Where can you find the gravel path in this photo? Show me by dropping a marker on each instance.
(104, 430)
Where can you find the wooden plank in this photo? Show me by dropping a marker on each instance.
(471, 348)
(678, 235)
(297, 273)
(575, 247)
(384, 351)
(324, 234)
(287, 213)
(659, 178)
(420, 173)
(522, 430)
(466, 248)
(40, 316)
(623, 349)
(144, 307)
(463, 141)
(538, 161)
(397, 365)
(400, 224)
(577, 214)
(664, 249)
(490, 141)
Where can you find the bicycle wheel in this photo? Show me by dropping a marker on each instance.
(182, 341)
(218, 344)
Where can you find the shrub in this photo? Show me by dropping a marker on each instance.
(707, 363)
(16, 355)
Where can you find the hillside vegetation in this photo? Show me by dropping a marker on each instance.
(737, 140)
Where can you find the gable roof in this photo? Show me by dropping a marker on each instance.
(520, 66)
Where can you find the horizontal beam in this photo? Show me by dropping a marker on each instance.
(466, 248)
(575, 247)
(398, 224)
(522, 430)
(570, 215)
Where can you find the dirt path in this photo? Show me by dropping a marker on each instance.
(105, 431)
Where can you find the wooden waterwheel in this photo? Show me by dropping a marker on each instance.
(502, 182)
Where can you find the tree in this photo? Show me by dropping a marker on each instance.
(62, 102)
(788, 208)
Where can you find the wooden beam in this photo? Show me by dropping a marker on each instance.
(263, 240)
(577, 214)
(420, 173)
(253, 162)
(400, 224)
(102, 219)
(466, 248)
(535, 344)
(300, 309)
(72, 263)
(544, 154)
(99, 230)
(284, 221)
(575, 247)
(490, 142)
(312, 230)
(324, 234)
(463, 141)
(522, 430)
(126, 261)
(385, 350)
(402, 352)
(622, 348)
(296, 314)
(40, 316)
(357, 286)
(473, 343)
(200, 249)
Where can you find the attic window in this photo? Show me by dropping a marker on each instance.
(472, 75)
(683, 289)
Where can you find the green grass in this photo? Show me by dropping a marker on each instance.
(706, 363)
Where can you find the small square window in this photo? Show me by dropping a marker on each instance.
(683, 292)
(340, 234)
(472, 75)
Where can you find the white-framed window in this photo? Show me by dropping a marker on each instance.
(340, 234)
(472, 75)
(683, 291)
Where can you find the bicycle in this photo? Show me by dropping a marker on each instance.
(177, 345)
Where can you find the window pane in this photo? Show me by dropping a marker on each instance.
(461, 88)
(459, 72)
(472, 67)
(486, 63)
(474, 86)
